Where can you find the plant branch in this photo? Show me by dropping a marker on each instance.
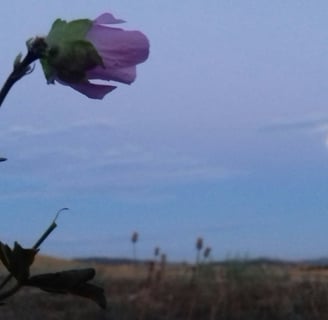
(36, 48)
(52, 226)
(10, 292)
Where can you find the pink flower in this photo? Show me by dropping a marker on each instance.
(119, 52)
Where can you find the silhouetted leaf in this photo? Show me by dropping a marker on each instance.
(91, 291)
(62, 281)
(71, 281)
(5, 253)
(18, 260)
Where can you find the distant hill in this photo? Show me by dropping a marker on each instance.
(320, 262)
(115, 261)
(109, 261)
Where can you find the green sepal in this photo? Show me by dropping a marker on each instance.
(62, 31)
(69, 54)
(71, 60)
(18, 60)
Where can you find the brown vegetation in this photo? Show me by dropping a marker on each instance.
(232, 290)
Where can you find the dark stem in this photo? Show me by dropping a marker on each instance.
(36, 49)
(10, 292)
(37, 244)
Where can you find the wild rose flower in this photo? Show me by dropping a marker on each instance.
(84, 50)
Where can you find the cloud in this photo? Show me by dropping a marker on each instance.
(86, 157)
(311, 126)
(17, 132)
(308, 124)
(127, 167)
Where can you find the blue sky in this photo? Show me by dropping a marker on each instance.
(223, 135)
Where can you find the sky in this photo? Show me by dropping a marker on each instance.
(223, 135)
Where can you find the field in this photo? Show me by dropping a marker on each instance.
(235, 289)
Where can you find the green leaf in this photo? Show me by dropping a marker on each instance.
(92, 292)
(71, 281)
(5, 253)
(62, 281)
(18, 260)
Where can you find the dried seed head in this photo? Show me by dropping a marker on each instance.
(134, 237)
(163, 259)
(207, 252)
(156, 251)
(199, 243)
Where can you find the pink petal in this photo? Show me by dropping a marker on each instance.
(124, 75)
(107, 18)
(119, 49)
(93, 91)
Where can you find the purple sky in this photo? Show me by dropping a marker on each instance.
(223, 135)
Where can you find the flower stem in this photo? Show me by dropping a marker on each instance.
(36, 246)
(10, 292)
(36, 49)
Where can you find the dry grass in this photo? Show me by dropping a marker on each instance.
(235, 291)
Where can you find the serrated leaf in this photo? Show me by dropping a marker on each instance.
(71, 281)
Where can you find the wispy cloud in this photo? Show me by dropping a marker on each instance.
(311, 126)
(92, 157)
(308, 124)
(16, 132)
